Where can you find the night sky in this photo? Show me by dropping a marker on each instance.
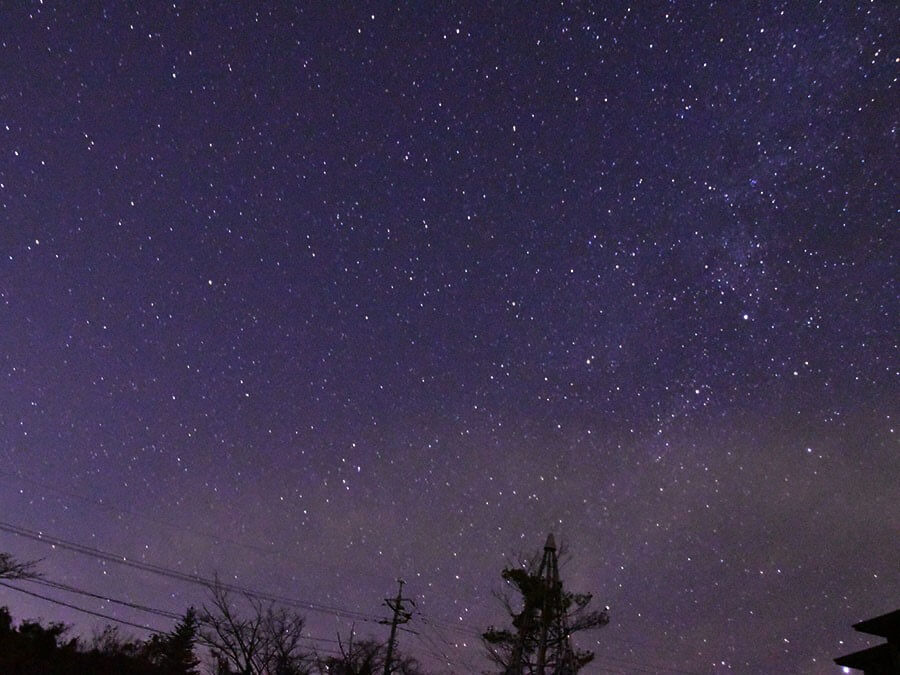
(319, 297)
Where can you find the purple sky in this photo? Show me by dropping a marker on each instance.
(316, 298)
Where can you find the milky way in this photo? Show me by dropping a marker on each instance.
(319, 298)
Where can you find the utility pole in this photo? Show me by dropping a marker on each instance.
(401, 616)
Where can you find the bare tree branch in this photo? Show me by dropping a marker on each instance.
(11, 569)
(265, 640)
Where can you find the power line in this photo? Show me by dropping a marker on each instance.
(125, 603)
(430, 625)
(195, 579)
(105, 506)
(449, 625)
(316, 649)
(434, 648)
(199, 580)
(78, 609)
(100, 504)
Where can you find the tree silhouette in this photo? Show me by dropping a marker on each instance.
(33, 649)
(263, 641)
(544, 616)
(365, 657)
(11, 569)
(173, 652)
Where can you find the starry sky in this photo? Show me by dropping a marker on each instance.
(316, 297)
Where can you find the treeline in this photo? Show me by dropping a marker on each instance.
(268, 642)
(31, 648)
(237, 633)
(234, 634)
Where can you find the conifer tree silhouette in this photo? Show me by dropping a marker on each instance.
(544, 616)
